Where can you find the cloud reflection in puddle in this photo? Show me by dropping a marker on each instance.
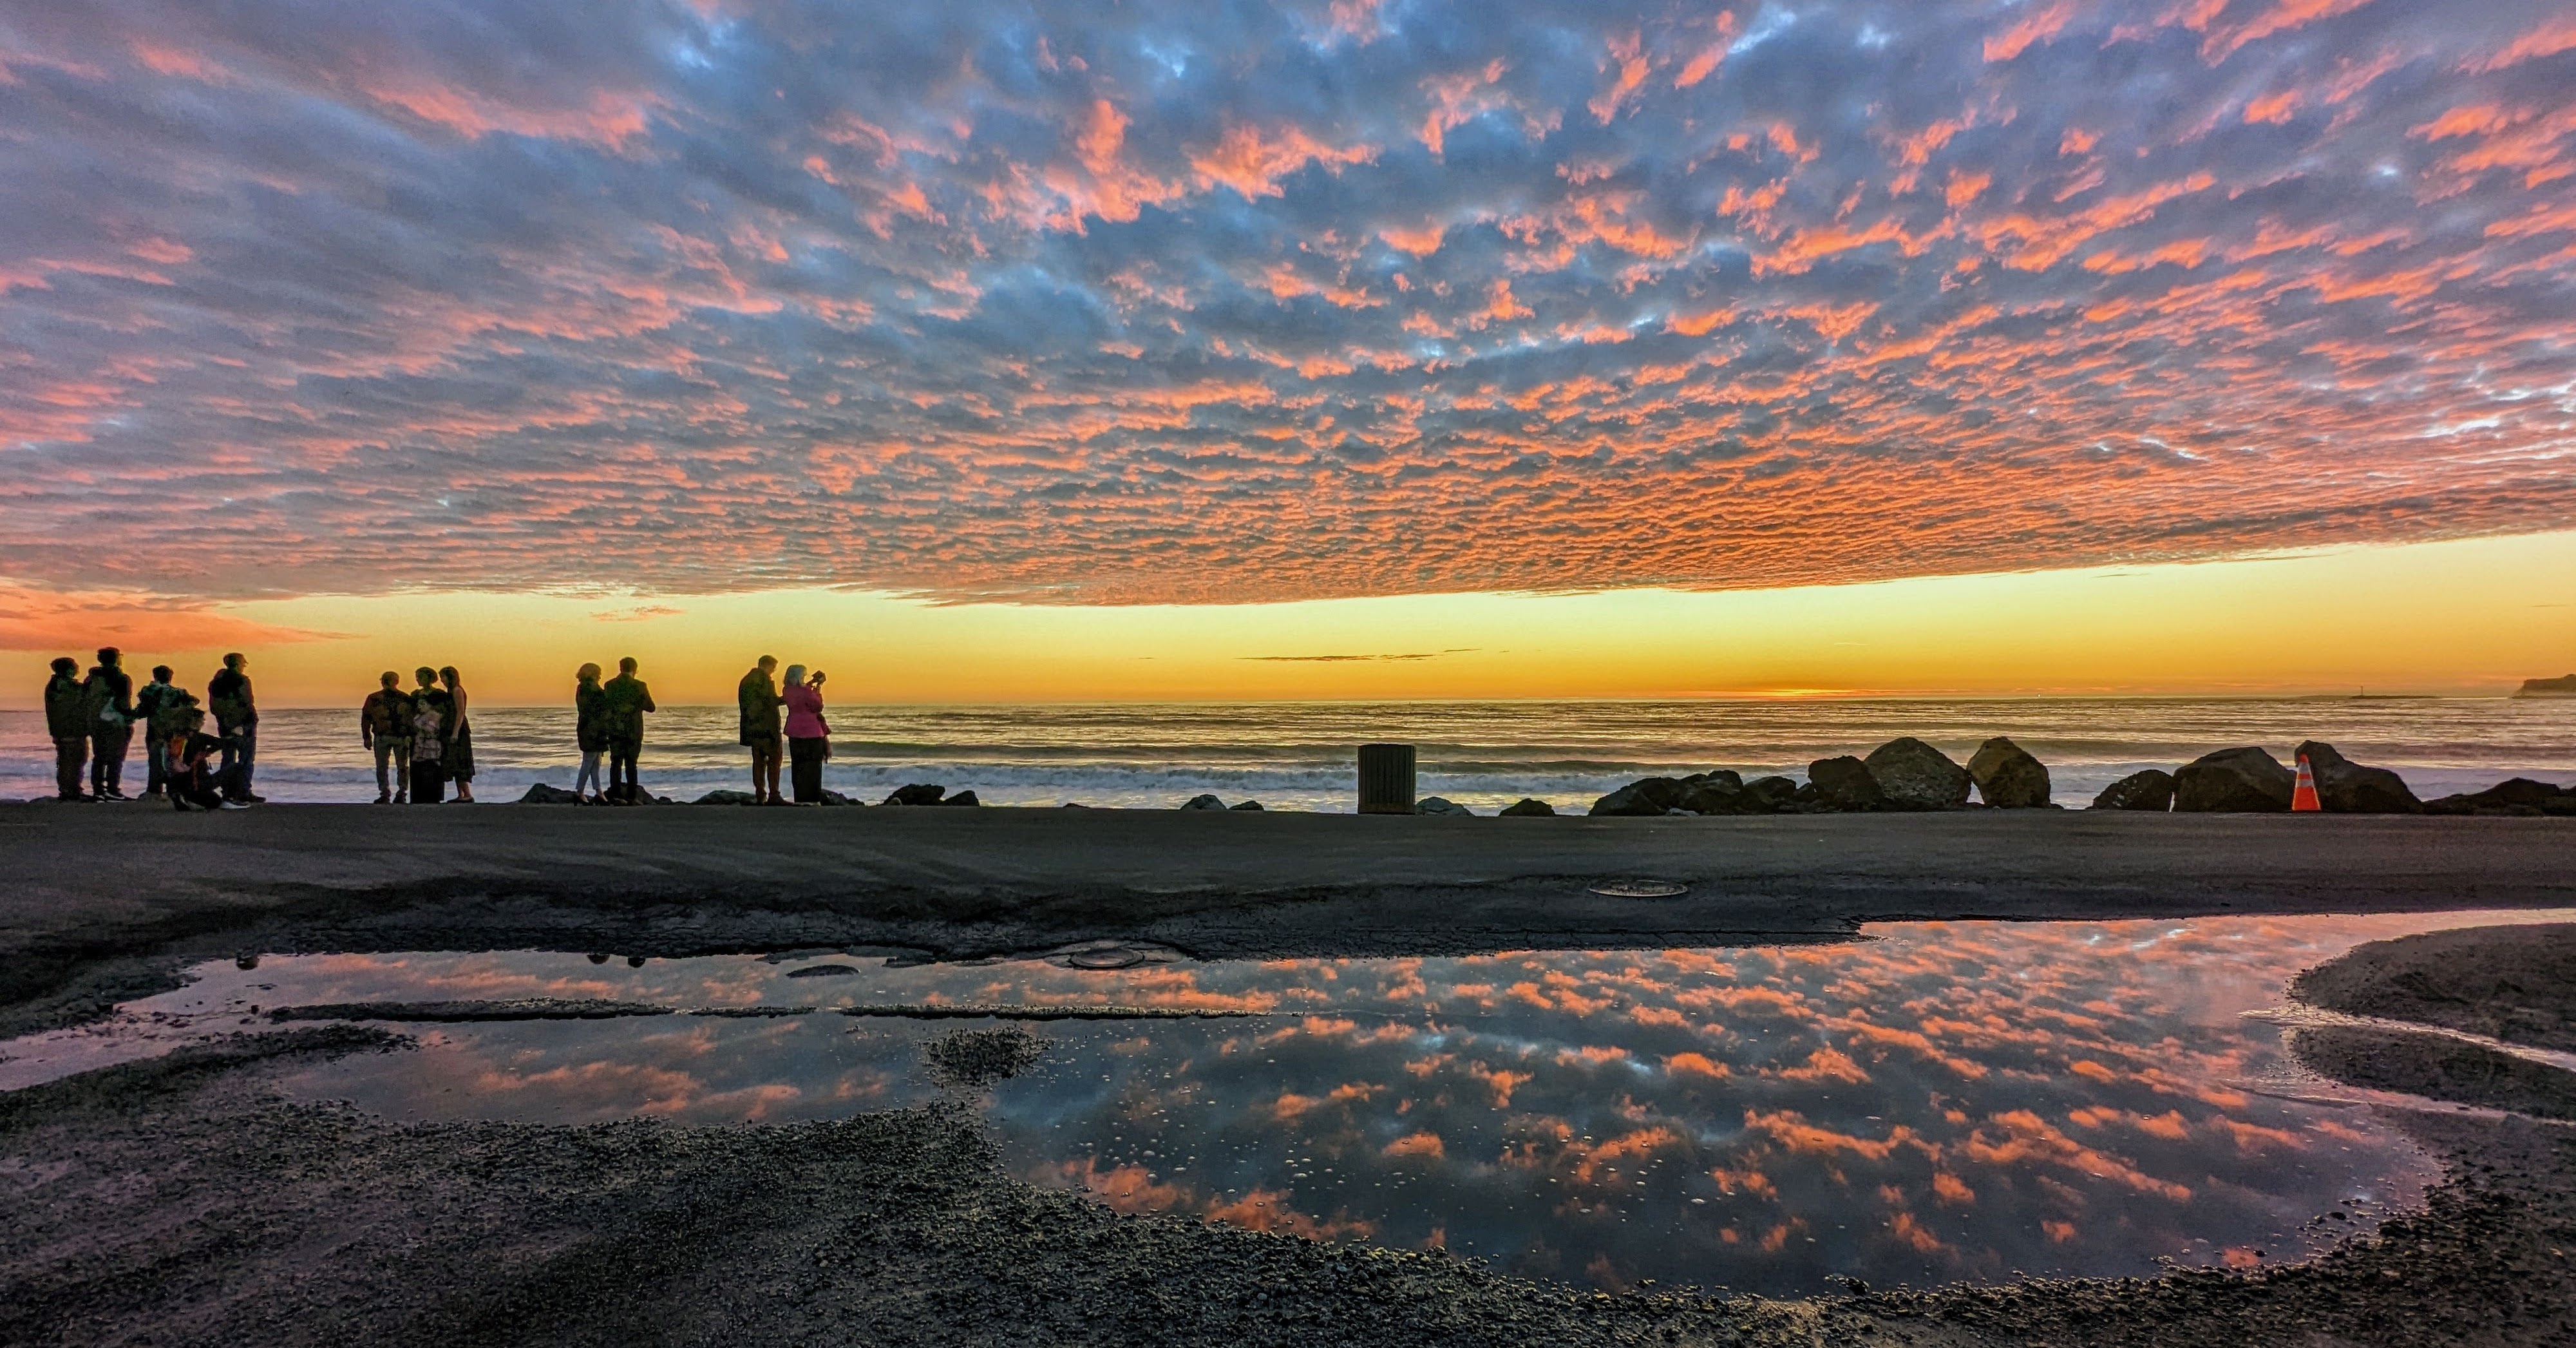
(1942, 1101)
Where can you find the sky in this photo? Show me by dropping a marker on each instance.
(1068, 339)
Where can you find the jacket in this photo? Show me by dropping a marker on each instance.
(805, 713)
(386, 715)
(111, 698)
(170, 712)
(628, 700)
(66, 708)
(228, 697)
(148, 701)
(758, 697)
(590, 718)
(425, 701)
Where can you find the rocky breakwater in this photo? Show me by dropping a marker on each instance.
(2250, 780)
(1907, 774)
(2518, 796)
(1903, 774)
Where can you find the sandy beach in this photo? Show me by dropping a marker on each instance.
(180, 1200)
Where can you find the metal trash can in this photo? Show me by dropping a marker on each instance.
(1386, 779)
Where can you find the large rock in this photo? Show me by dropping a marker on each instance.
(1527, 807)
(1246, 807)
(2152, 789)
(2517, 796)
(966, 798)
(1913, 775)
(1723, 778)
(725, 796)
(1646, 795)
(2346, 787)
(2007, 777)
(1203, 803)
(1440, 805)
(1772, 795)
(1845, 784)
(919, 793)
(2234, 781)
(1718, 795)
(542, 794)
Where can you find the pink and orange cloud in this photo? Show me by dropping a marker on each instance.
(1176, 304)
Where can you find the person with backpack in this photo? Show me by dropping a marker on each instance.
(110, 693)
(148, 701)
(228, 695)
(67, 722)
(384, 726)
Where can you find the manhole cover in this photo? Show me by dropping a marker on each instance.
(1105, 957)
(1640, 889)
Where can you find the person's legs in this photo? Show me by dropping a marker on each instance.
(107, 761)
(194, 788)
(69, 755)
(586, 785)
(428, 782)
(249, 760)
(808, 754)
(385, 759)
(156, 765)
(621, 770)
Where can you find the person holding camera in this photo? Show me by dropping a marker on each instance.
(809, 740)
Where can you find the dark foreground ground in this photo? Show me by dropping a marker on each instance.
(178, 1201)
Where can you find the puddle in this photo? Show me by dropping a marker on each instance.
(1941, 1101)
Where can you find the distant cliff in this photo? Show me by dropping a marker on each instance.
(2563, 686)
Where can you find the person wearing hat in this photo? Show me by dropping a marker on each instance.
(67, 722)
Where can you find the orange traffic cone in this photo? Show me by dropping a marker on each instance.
(2303, 797)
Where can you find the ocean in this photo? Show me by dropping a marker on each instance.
(1483, 755)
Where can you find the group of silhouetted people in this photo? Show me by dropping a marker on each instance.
(423, 739)
(93, 718)
(608, 720)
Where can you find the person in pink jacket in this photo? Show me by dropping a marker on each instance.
(809, 740)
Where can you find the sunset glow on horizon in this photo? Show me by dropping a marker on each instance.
(1355, 349)
(2472, 617)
